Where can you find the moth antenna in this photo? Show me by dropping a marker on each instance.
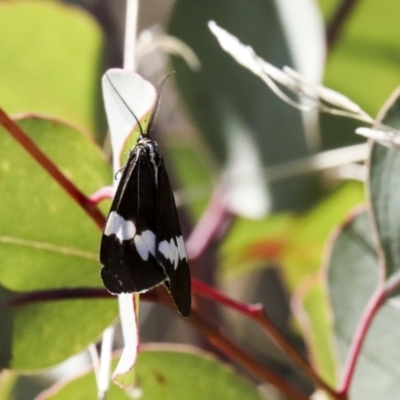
(154, 114)
(118, 172)
(126, 105)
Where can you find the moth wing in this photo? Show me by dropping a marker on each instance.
(171, 252)
(128, 244)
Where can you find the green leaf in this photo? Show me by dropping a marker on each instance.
(228, 102)
(51, 57)
(384, 190)
(296, 244)
(352, 275)
(46, 239)
(352, 279)
(304, 253)
(7, 382)
(251, 243)
(47, 242)
(170, 373)
(312, 311)
(48, 333)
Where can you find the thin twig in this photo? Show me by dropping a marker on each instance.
(362, 328)
(104, 193)
(212, 223)
(44, 161)
(257, 313)
(245, 360)
(335, 26)
(358, 339)
(39, 296)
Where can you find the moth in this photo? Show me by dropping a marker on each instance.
(142, 244)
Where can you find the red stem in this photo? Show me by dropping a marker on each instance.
(53, 295)
(41, 158)
(358, 339)
(212, 334)
(361, 331)
(257, 313)
(218, 340)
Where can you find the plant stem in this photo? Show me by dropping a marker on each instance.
(340, 16)
(366, 319)
(104, 193)
(213, 223)
(132, 10)
(44, 161)
(358, 339)
(256, 312)
(39, 296)
(218, 340)
(103, 373)
(128, 304)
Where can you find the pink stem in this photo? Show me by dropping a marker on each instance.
(358, 339)
(367, 316)
(105, 193)
(211, 224)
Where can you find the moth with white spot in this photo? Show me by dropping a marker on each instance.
(142, 244)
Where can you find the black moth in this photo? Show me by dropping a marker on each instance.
(142, 244)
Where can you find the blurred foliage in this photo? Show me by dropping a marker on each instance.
(311, 308)
(228, 102)
(363, 63)
(295, 242)
(365, 60)
(194, 174)
(363, 260)
(52, 64)
(51, 59)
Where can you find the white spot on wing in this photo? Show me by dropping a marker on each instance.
(145, 244)
(141, 247)
(174, 250)
(163, 248)
(181, 248)
(150, 239)
(174, 253)
(122, 229)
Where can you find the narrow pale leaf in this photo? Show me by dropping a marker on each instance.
(128, 98)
